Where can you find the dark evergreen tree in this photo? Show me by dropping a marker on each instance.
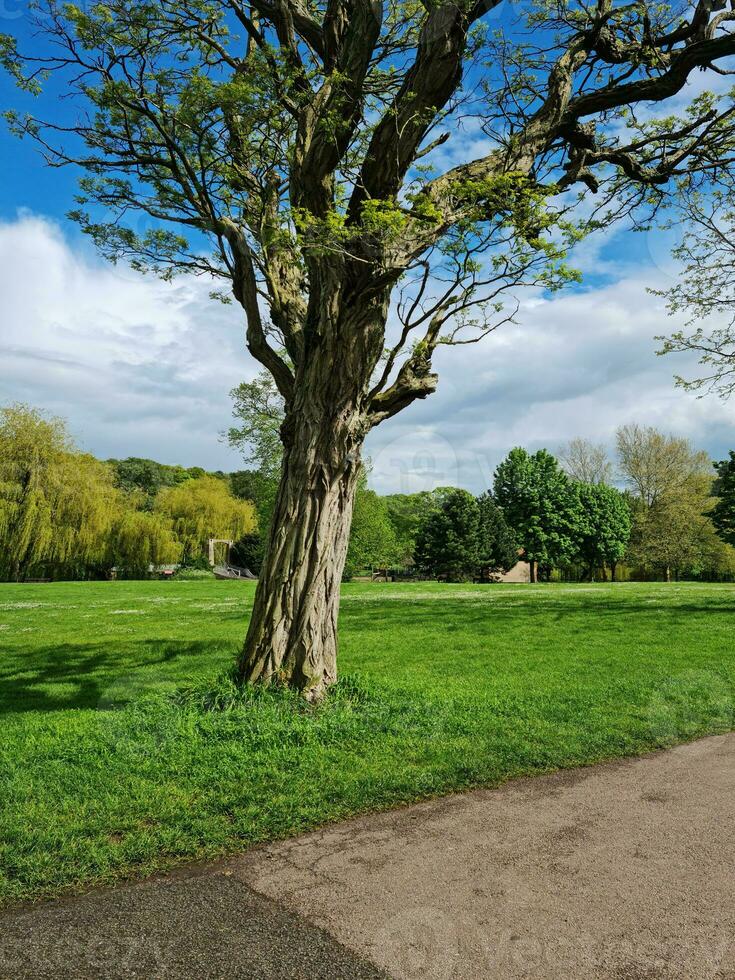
(723, 513)
(498, 548)
(448, 541)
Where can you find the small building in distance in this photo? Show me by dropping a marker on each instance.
(519, 573)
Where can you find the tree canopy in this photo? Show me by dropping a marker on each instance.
(448, 543)
(148, 476)
(604, 526)
(464, 537)
(373, 540)
(540, 505)
(258, 408)
(654, 464)
(676, 533)
(202, 509)
(498, 546)
(586, 462)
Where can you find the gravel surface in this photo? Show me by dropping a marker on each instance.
(196, 925)
(625, 870)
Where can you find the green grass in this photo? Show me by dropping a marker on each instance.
(122, 750)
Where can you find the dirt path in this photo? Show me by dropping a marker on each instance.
(625, 870)
(620, 871)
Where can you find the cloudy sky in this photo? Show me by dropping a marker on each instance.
(141, 367)
(144, 368)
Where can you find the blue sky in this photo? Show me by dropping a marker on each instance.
(140, 367)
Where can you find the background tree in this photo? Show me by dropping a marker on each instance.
(448, 542)
(147, 476)
(586, 462)
(57, 505)
(723, 513)
(407, 512)
(604, 527)
(671, 484)
(654, 464)
(373, 542)
(540, 505)
(32, 450)
(202, 509)
(139, 539)
(286, 151)
(675, 534)
(498, 548)
(259, 409)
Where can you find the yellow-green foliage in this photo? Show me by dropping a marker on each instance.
(56, 505)
(205, 508)
(84, 505)
(60, 507)
(140, 538)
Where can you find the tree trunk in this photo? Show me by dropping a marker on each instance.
(613, 568)
(292, 637)
(532, 571)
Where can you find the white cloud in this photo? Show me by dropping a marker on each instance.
(137, 366)
(140, 367)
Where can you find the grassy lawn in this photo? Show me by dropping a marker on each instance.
(122, 749)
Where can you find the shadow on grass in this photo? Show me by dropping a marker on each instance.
(81, 675)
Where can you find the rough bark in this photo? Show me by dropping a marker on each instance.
(292, 637)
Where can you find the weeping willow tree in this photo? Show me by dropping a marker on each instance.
(140, 539)
(202, 509)
(369, 181)
(57, 506)
(32, 450)
(60, 510)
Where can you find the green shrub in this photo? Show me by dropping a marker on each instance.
(193, 574)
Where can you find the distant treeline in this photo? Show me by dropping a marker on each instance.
(65, 514)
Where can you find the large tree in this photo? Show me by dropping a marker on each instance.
(656, 465)
(308, 158)
(448, 544)
(604, 527)
(541, 506)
